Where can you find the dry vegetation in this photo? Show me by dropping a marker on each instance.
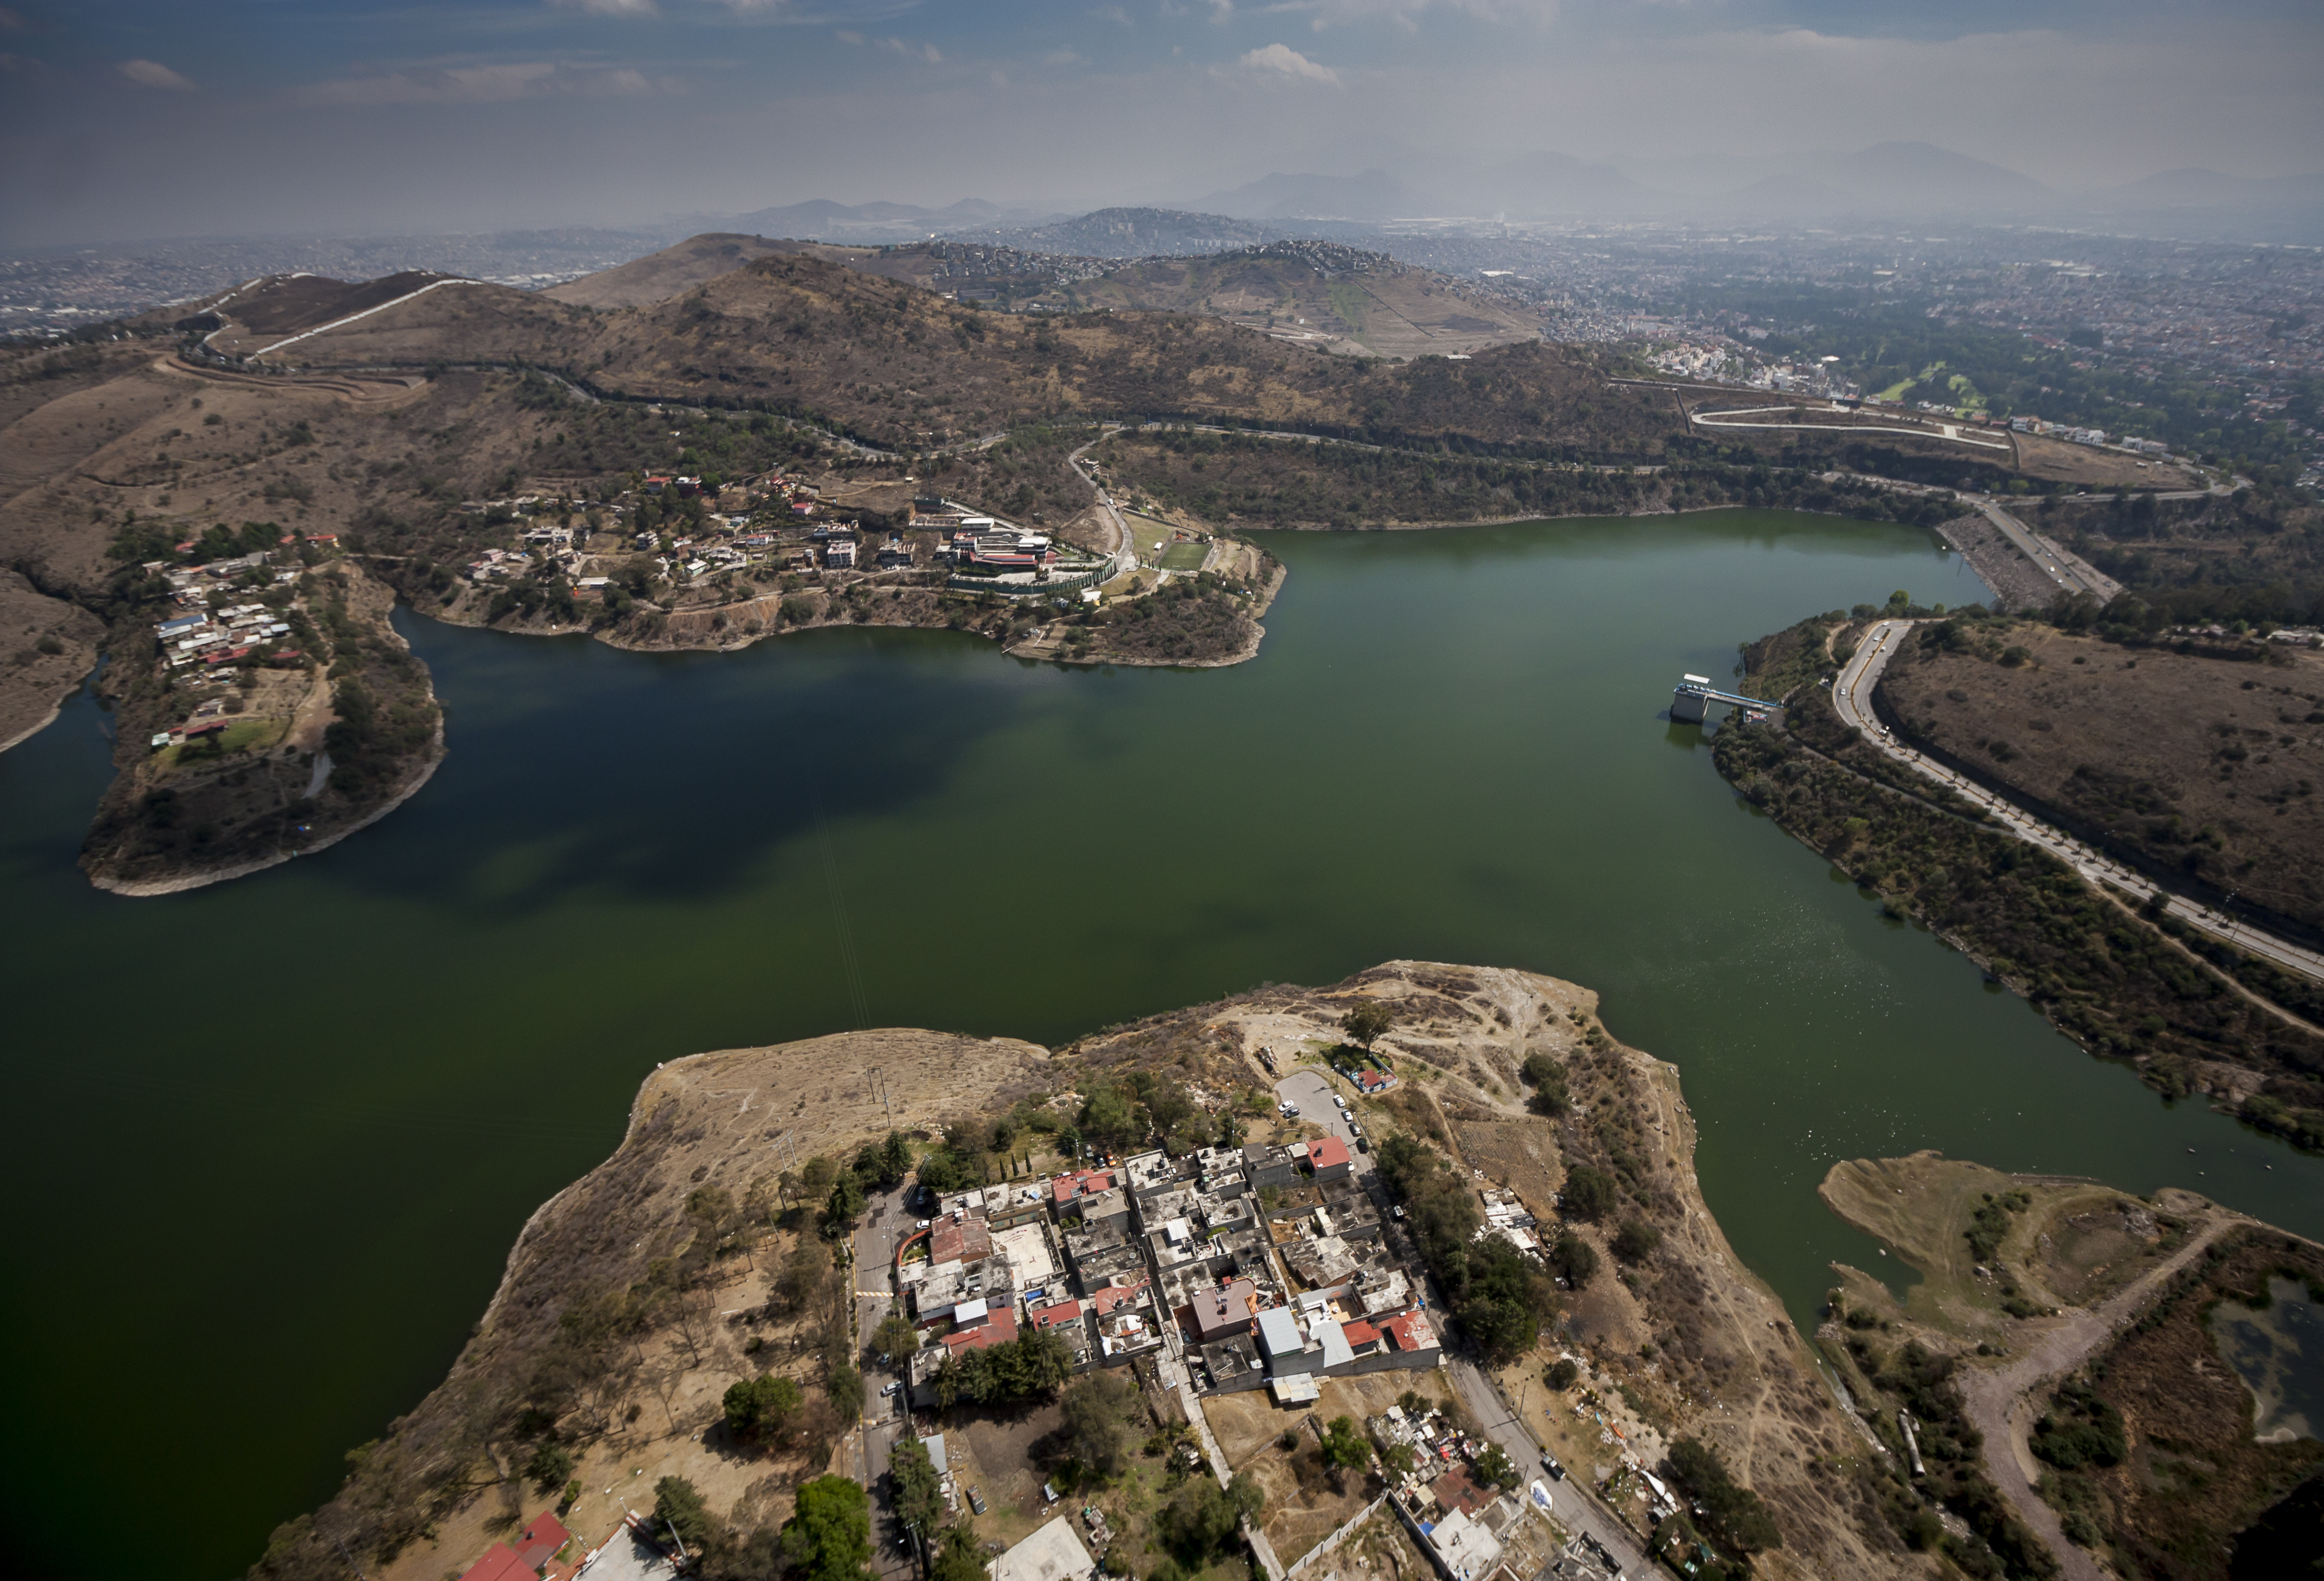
(2138, 1435)
(2207, 769)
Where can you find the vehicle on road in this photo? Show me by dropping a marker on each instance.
(1549, 1464)
(891, 1389)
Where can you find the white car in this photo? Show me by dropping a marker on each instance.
(891, 1389)
(923, 1224)
(1341, 1101)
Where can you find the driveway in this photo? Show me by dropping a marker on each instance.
(1311, 1089)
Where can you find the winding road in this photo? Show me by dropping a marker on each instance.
(1851, 695)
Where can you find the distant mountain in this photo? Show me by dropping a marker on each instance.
(1134, 233)
(1370, 194)
(823, 220)
(1541, 185)
(1892, 180)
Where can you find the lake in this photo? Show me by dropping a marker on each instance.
(275, 1138)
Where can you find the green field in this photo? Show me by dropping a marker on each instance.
(1185, 556)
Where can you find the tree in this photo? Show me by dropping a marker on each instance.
(917, 1491)
(678, 1505)
(1573, 1259)
(1732, 1515)
(844, 1206)
(1561, 1373)
(959, 1558)
(1367, 1023)
(845, 1384)
(1202, 1516)
(895, 1338)
(1635, 1242)
(828, 1537)
(1496, 1466)
(1547, 1079)
(1107, 1116)
(817, 1176)
(762, 1410)
(895, 1159)
(1590, 1194)
(1344, 1448)
(550, 1465)
(1094, 1426)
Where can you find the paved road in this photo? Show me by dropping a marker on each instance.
(1852, 696)
(2062, 568)
(886, 1221)
(1312, 1088)
(1125, 551)
(1575, 1510)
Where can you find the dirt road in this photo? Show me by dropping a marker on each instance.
(1999, 1402)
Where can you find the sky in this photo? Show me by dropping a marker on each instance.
(142, 118)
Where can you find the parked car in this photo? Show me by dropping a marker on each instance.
(924, 1224)
(891, 1389)
(1549, 1464)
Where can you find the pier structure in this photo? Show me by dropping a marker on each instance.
(1690, 701)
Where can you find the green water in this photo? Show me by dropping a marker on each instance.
(271, 1140)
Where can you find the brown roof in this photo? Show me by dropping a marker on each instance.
(962, 1240)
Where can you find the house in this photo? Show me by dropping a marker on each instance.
(959, 1240)
(1053, 1553)
(1371, 1083)
(1327, 1158)
(1222, 1312)
(839, 554)
(977, 1325)
(539, 1542)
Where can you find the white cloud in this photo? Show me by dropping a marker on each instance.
(153, 74)
(472, 85)
(1289, 61)
(609, 7)
(848, 35)
(1113, 14)
(1058, 59)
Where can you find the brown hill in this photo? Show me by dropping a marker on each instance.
(2205, 768)
(1329, 297)
(659, 276)
(904, 367)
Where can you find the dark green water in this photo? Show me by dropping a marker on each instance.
(271, 1140)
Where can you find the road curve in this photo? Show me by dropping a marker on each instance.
(1851, 695)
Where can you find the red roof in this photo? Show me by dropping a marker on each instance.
(1410, 1331)
(999, 1328)
(1057, 1314)
(1114, 1297)
(500, 1565)
(1326, 1152)
(1360, 1333)
(538, 1543)
(1066, 1187)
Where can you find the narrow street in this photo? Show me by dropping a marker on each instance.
(886, 1418)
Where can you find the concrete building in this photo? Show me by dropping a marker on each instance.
(1053, 1553)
